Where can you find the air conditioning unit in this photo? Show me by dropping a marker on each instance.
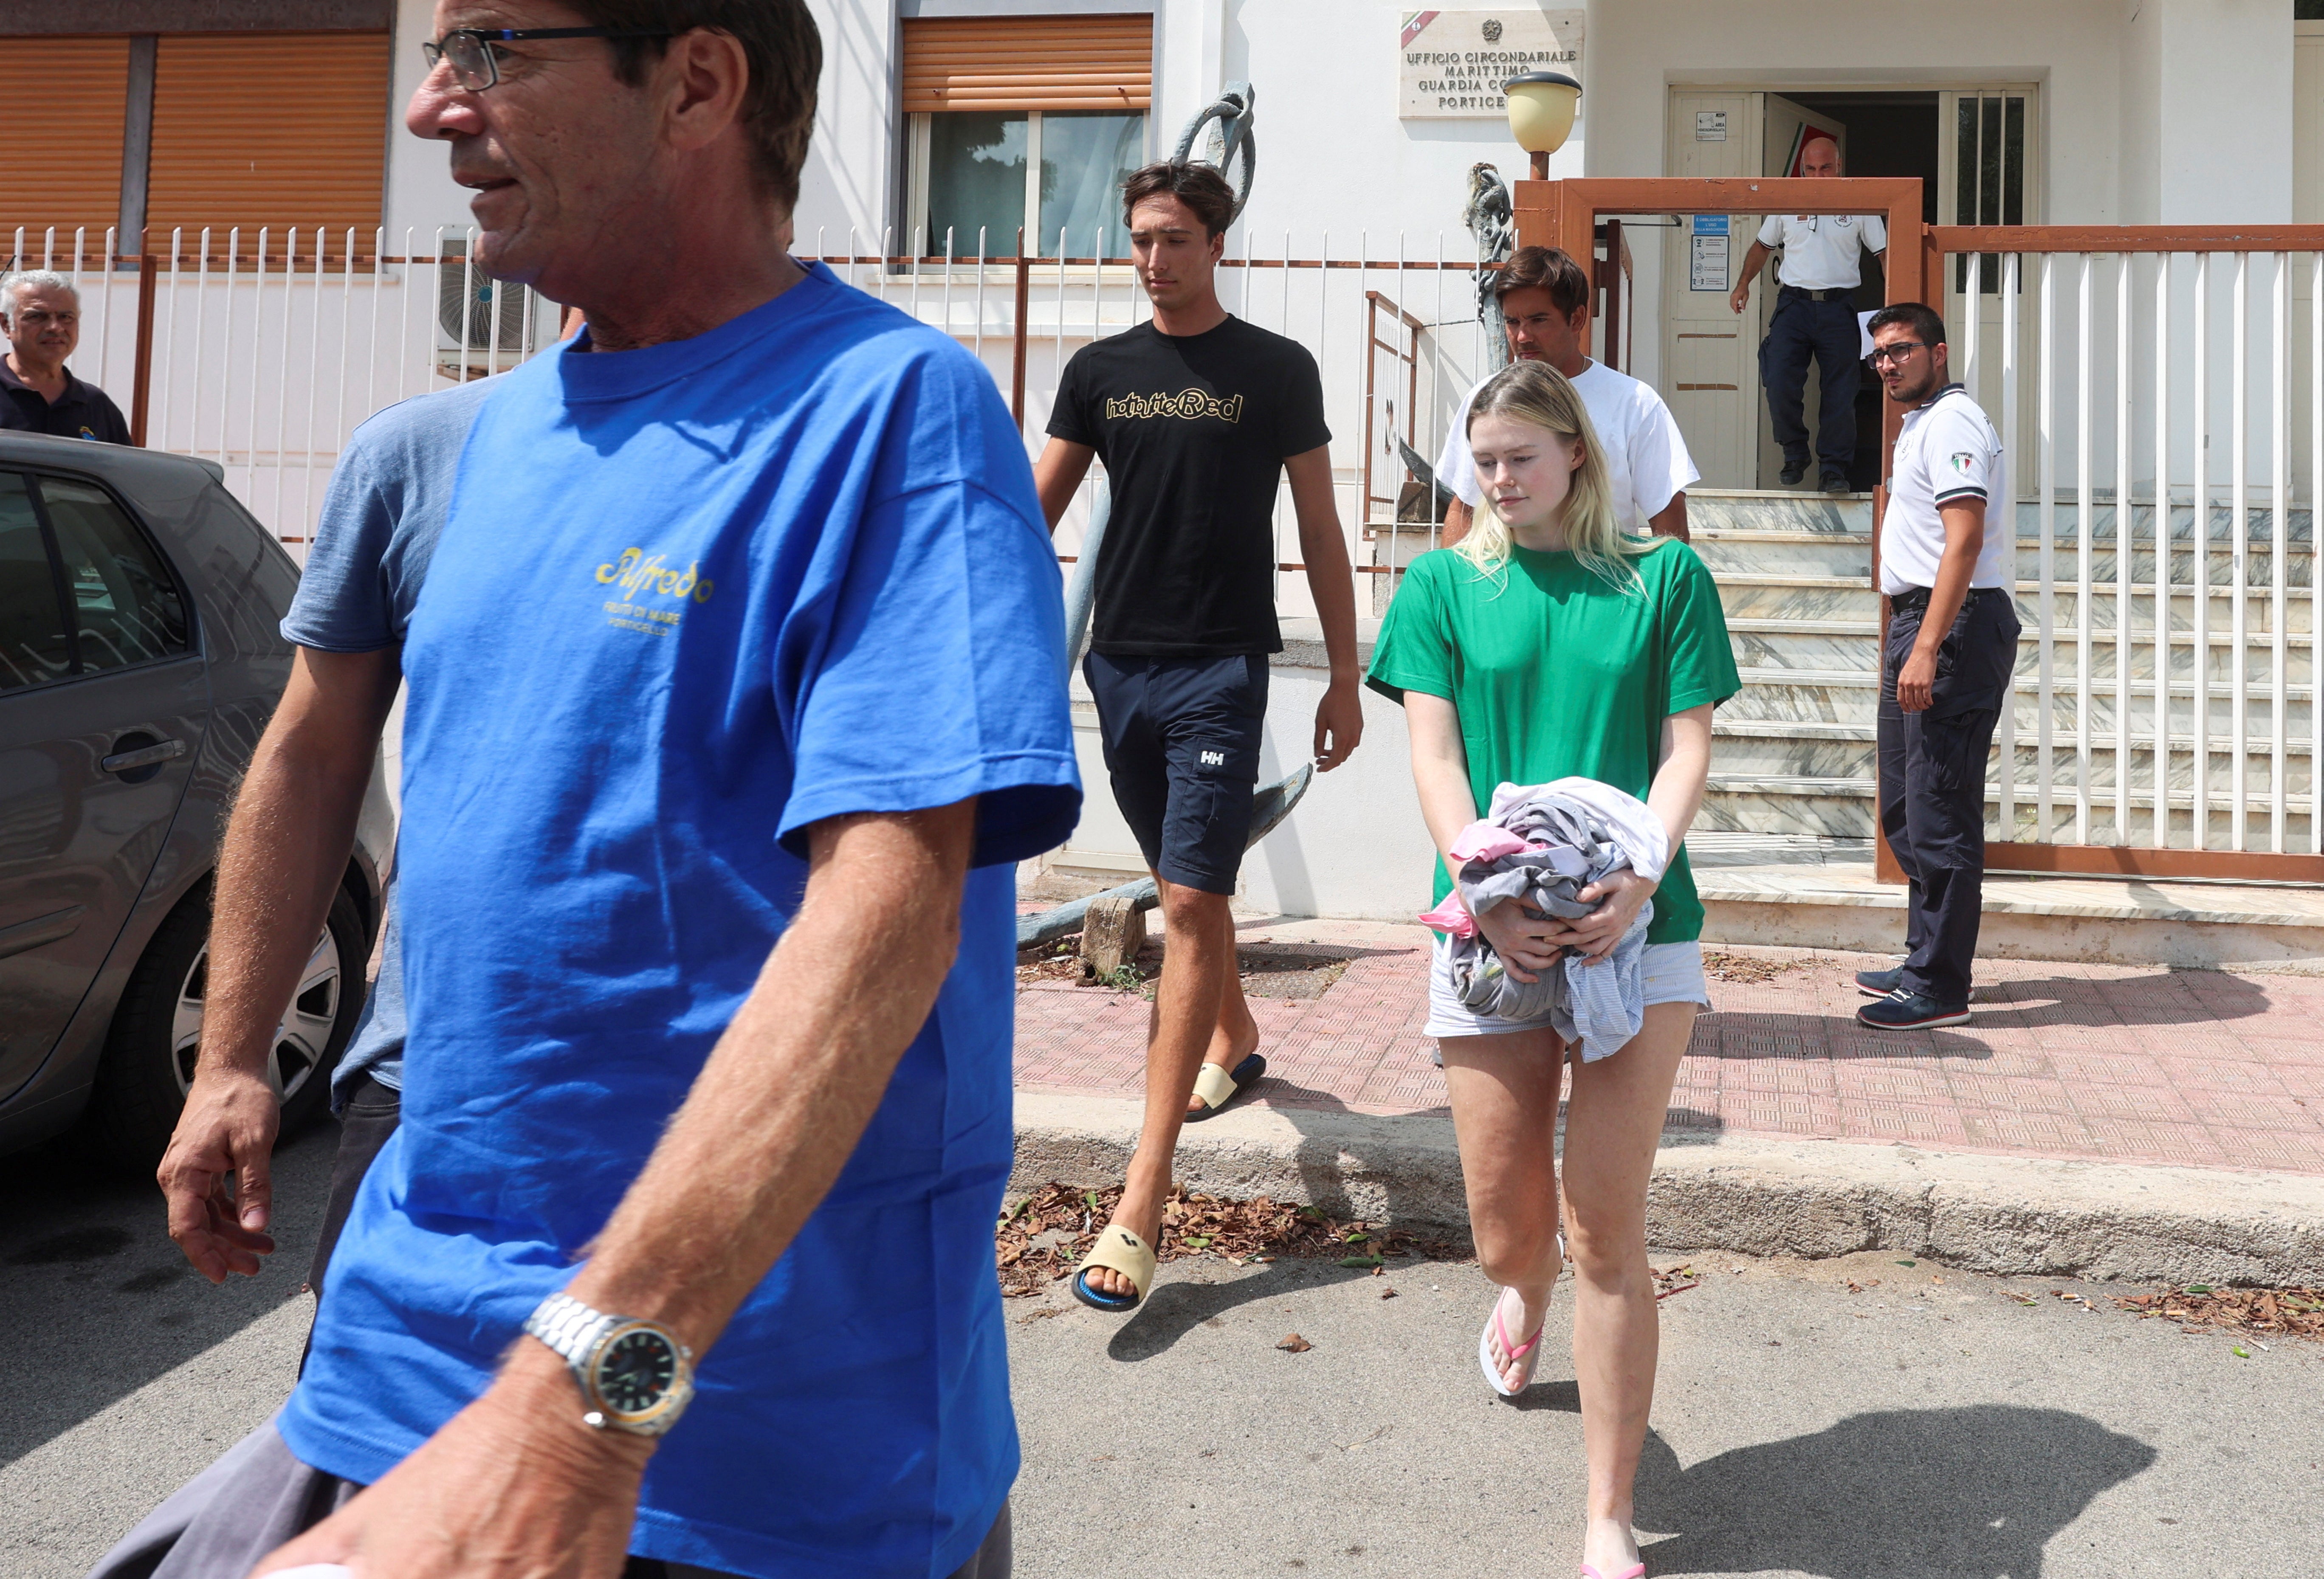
(483, 324)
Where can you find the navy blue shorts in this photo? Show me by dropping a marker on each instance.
(1182, 748)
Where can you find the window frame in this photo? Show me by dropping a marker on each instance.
(919, 144)
(31, 477)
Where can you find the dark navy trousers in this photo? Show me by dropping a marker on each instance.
(1933, 785)
(1825, 333)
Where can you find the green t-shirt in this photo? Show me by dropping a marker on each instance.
(1554, 673)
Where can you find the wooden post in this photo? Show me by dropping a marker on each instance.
(1024, 296)
(141, 387)
(1613, 353)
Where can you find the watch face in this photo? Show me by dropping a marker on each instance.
(635, 1371)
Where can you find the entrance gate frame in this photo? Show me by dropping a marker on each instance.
(1566, 214)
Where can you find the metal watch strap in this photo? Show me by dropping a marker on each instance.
(569, 1327)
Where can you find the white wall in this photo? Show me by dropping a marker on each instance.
(2223, 111)
(420, 192)
(1334, 156)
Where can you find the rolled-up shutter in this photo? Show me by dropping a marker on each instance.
(280, 130)
(67, 101)
(1102, 62)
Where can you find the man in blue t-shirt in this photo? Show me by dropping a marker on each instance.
(732, 699)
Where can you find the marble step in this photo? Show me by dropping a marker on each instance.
(1800, 891)
(1742, 552)
(1771, 511)
(1853, 698)
(1834, 645)
(1782, 595)
(1829, 754)
(1748, 510)
(1846, 809)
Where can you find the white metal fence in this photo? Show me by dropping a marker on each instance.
(265, 348)
(2163, 417)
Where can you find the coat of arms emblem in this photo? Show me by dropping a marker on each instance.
(1492, 30)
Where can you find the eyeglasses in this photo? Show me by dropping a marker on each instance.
(1895, 350)
(476, 62)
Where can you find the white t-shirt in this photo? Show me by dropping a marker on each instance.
(1820, 250)
(1947, 451)
(1646, 454)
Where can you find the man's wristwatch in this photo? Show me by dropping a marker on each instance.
(634, 1376)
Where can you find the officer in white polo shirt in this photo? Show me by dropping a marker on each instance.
(1545, 297)
(1815, 318)
(1946, 670)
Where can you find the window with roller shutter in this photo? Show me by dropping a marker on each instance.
(270, 131)
(1023, 120)
(69, 177)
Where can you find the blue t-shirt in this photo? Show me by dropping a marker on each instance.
(380, 517)
(691, 600)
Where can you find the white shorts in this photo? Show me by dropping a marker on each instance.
(1668, 973)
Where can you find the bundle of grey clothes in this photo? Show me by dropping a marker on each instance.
(1542, 845)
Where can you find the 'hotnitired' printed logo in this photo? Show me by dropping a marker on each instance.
(1189, 404)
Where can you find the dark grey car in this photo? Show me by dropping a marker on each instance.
(140, 660)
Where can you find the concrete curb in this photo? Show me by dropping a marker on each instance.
(1757, 1196)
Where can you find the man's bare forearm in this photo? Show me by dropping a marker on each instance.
(287, 845)
(796, 1077)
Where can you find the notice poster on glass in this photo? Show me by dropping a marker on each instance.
(1707, 254)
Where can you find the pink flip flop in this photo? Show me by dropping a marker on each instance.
(1639, 1572)
(1531, 1347)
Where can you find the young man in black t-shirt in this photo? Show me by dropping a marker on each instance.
(1197, 415)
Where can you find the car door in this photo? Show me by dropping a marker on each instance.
(102, 703)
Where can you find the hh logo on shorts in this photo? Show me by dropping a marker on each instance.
(1214, 759)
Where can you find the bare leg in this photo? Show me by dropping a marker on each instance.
(1612, 1126)
(1236, 1035)
(1504, 1092)
(1198, 961)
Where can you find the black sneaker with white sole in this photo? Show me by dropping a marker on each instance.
(1909, 1011)
(1880, 983)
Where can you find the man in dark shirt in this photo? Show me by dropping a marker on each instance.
(1196, 416)
(40, 313)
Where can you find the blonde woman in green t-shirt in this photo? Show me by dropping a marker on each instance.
(1549, 644)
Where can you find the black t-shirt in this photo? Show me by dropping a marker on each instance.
(1193, 430)
(82, 411)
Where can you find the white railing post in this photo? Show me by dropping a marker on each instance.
(2012, 273)
(2085, 544)
(2125, 549)
(2046, 429)
(2279, 567)
(2239, 555)
(2200, 561)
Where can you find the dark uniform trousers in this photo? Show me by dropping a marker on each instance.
(1932, 782)
(1826, 332)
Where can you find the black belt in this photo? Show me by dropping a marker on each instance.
(1913, 598)
(1837, 293)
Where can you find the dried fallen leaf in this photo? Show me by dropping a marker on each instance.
(1387, 1293)
(1293, 1342)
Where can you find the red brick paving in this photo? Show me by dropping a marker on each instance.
(2118, 1063)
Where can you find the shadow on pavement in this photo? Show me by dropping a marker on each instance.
(96, 1299)
(1947, 1493)
(1175, 1309)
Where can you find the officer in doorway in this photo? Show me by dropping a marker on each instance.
(1816, 316)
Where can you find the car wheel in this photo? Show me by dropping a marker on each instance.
(148, 1065)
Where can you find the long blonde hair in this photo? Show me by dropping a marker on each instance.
(1537, 394)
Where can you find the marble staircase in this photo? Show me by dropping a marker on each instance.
(1791, 807)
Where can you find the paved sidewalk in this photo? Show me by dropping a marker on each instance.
(2125, 1064)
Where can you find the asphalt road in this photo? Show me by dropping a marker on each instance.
(1921, 1429)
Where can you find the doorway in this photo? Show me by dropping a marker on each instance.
(1710, 357)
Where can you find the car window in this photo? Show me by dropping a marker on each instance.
(32, 646)
(125, 607)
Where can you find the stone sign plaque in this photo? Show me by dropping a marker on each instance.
(1451, 64)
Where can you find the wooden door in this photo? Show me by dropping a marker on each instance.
(1711, 374)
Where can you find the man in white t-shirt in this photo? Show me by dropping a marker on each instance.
(1814, 319)
(1947, 667)
(1544, 295)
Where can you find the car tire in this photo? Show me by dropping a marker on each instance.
(148, 1060)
